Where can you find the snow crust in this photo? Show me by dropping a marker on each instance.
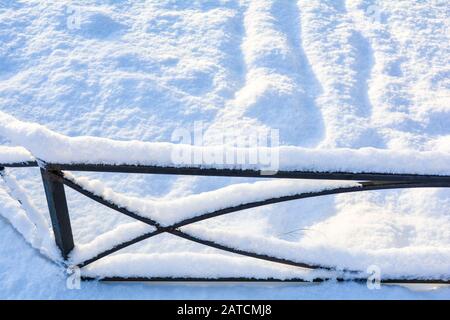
(394, 262)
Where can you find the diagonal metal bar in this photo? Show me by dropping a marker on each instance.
(365, 186)
(120, 246)
(105, 202)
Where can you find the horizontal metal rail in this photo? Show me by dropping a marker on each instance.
(198, 171)
(214, 172)
(269, 280)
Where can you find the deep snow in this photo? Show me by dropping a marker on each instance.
(327, 74)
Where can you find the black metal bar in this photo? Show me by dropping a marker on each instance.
(269, 280)
(28, 164)
(118, 247)
(59, 212)
(250, 254)
(60, 177)
(198, 171)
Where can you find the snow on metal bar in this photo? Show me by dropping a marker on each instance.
(347, 260)
(248, 173)
(189, 264)
(169, 212)
(433, 281)
(15, 157)
(110, 241)
(47, 145)
(384, 169)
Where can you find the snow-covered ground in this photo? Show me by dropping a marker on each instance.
(328, 74)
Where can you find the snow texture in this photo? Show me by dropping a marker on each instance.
(362, 83)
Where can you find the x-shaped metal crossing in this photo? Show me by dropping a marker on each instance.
(54, 179)
(174, 229)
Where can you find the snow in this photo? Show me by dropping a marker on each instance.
(361, 83)
(108, 240)
(56, 148)
(18, 209)
(10, 155)
(45, 280)
(394, 262)
(191, 265)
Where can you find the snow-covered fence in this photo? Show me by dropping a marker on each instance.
(303, 173)
(56, 176)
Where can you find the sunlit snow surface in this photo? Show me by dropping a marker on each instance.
(326, 73)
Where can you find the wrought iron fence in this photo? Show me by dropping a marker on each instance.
(54, 180)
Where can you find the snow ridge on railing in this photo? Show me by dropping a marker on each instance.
(15, 155)
(56, 148)
(55, 153)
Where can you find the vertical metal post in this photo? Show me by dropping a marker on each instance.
(59, 212)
